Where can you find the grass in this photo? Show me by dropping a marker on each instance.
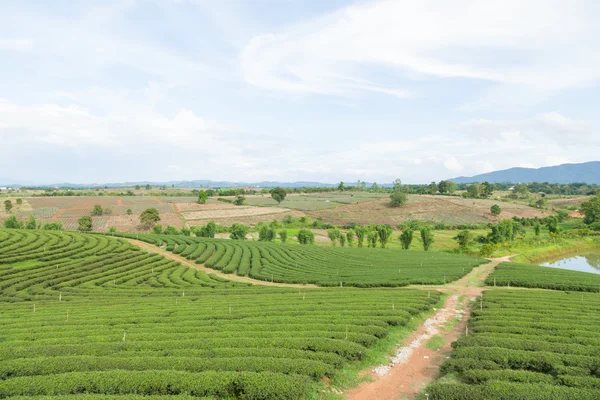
(435, 343)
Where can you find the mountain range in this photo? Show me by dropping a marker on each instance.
(588, 172)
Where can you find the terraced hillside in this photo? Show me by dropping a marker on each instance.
(362, 267)
(96, 316)
(527, 344)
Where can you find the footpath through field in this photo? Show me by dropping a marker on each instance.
(201, 267)
(414, 366)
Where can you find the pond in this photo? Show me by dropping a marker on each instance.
(585, 262)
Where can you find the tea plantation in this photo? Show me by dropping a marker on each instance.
(325, 266)
(527, 344)
(94, 317)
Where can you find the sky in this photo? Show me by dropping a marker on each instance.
(294, 90)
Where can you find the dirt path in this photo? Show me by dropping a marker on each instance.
(201, 267)
(413, 365)
(120, 201)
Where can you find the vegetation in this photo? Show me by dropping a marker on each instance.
(325, 266)
(526, 345)
(306, 236)
(8, 205)
(202, 196)
(239, 200)
(85, 224)
(591, 210)
(406, 238)
(278, 194)
(397, 197)
(495, 210)
(149, 217)
(92, 316)
(426, 238)
(238, 232)
(97, 210)
(534, 276)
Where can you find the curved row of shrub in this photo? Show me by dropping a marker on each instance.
(325, 266)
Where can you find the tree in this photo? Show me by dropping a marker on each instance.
(202, 197)
(186, 231)
(157, 229)
(137, 187)
(397, 198)
(129, 212)
(283, 235)
(372, 239)
(464, 238)
(553, 227)
(503, 231)
(406, 238)
(475, 190)
(149, 216)
(278, 194)
(487, 189)
(85, 223)
(426, 238)
(207, 230)
(171, 230)
(350, 237)
(447, 187)
(238, 231)
(591, 210)
(8, 205)
(148, 187)
(266, 233)
(97, 210)
(306, 236)
(107, 211)
(288, 219)
(19, 201)
(384, 231)
(432, 188)
(12, 223)
(333, 235)
(342, 240)
(239, 200)
(541, 203)
(31, 223)
(360, 234)
(53, 226)
(537, 227)
(341, 187)
(521, 190)
(112, 230)
(495, 210)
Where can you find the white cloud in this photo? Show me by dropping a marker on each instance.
(17, 44)
(542, 44)
(453, 165)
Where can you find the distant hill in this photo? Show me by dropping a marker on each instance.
(588, 172)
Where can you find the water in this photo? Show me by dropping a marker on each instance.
(586, 262)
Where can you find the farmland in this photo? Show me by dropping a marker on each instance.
(526, 345)
(92, 314)
(533, 276)
(362, 267)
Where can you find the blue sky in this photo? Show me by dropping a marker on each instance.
(290, 90)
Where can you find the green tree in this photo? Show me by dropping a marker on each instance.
(475, 190)
(372, 237)
(266, 233)
(238, 231)
(333, 235)
(384, 231)
(503, 231)
(350, 237)
(129, 212)
(278, 194)
(360, 234)
(406, 238)
(341, 187)
(149, 216)
(171, 230)
(202, 196)
(185, 231)
(591, 210)
(137, 187)
(97, 210)
(85, 223)
(148, 187)
(495, 210)
(53, 226)
(19, 201)
(157, 229)
(31, 223)
(283, 235)
(487, 189)
(12, 223)
(426, 238)
(537, 227)
(306, 236)
(432, 188)
(397, 198)
(553, 227)
(342, 239)
(239, 200)
(112, 230)
(521, 189)
(207, 230)
(288, 219)
(8, 205)
(464, 239)
(447, 187)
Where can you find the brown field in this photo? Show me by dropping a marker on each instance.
(451, 210)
